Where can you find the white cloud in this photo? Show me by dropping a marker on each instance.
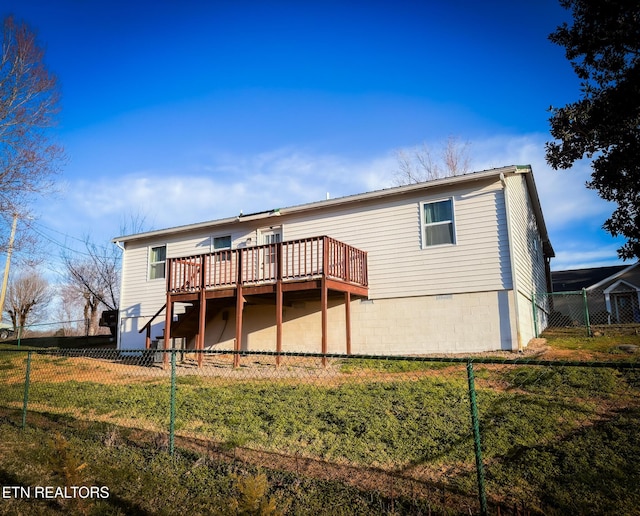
(564, 197)
(586, 258)
(221, 185)
(218, 188)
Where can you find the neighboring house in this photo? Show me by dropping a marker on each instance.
(445, 266)
(612, 294)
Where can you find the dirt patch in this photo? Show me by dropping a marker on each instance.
(83, 369)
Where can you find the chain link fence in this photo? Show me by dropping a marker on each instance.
(331, 434)
(593, 310)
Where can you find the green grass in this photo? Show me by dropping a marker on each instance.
(142, 480)
(391, 423)
(547, 433)
(567, 381)
(390, 366)
(575, 339)
(592, 470)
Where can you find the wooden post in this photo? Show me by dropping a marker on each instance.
(147, 340)
(323, 297)
(347, 317)
(239, 310)
(202, 317)
(278, 303)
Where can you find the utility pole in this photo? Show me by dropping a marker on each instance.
(7, 263)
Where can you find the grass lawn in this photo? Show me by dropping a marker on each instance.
(605, 339)
(365, 437)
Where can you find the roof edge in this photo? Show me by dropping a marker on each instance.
(374, 194)
(613, 276)
(537, 208)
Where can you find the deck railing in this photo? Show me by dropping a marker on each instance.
(293, 260)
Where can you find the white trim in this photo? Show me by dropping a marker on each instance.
(610, 290)
(615, 285)
(423, 224)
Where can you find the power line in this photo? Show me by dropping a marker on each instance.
(64, 246)
(56, 231)
(59, 244)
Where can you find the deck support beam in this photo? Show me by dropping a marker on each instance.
(239, 313)
(324, 294)
(239, 310)
(202, 317)
(347, 318)
(278, 303)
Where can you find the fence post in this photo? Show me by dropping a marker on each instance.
(25, 400)
(475, 425)
(535, 314)
(172, 414)
(585, 304)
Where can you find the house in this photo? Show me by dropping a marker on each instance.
(611, 295)
(445, 266)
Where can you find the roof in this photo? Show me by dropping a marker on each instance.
(577, 279)
(377, 194)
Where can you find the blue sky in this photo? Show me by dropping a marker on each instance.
(185, 111)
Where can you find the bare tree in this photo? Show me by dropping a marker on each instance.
(95, 276)
(96, 279)
(422, 165)
(28, 107)
(70, 310)
(27, 298)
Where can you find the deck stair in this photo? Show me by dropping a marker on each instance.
(187, 323)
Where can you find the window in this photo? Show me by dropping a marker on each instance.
(223, 242)
(437, 223)
(220, 244)
(157, 261)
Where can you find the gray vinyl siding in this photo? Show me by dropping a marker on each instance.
(391, 233)
(527, 244)
(528, 256)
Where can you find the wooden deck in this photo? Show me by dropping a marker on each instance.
(298, 264)
(321, 264)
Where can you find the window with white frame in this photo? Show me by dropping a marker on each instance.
(222, 243)
(437, 223)
(157, 262)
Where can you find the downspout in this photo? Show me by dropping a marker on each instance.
(514, 282)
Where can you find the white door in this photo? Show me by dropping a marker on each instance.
(268, 238)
